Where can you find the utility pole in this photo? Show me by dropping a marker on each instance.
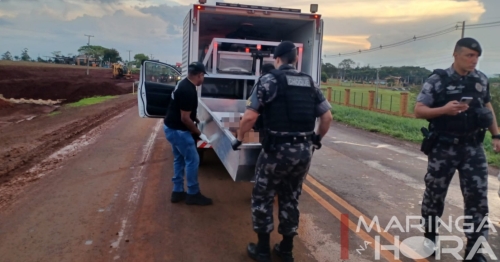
(128, 58)
(88, 44)
(463, 29)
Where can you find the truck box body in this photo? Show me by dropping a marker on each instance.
(234, 41)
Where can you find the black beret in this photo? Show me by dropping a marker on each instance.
(283, 48)
(470, 43)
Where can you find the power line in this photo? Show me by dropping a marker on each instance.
(404, 42)
(427, 36)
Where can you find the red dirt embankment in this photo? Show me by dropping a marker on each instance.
(67, 84)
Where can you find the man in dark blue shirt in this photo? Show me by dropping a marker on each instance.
(179, 129)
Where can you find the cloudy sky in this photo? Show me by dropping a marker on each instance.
(154, 27)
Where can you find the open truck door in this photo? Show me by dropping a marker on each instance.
(157, 81)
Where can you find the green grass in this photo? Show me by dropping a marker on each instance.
(91, 101)
(54, 113)
(407, 129)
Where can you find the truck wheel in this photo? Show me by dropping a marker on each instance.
(201, 153)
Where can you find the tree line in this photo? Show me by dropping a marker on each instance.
(95, 53)
(348, 70)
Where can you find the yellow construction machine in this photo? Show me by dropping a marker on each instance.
(120, 71)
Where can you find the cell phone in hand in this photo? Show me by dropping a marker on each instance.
(466, 100)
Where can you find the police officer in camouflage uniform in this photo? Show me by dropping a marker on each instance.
(290, 102)
(454, 141)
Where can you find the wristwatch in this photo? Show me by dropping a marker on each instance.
(496, 136)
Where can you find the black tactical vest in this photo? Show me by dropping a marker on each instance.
(293, 108)
(454, 89)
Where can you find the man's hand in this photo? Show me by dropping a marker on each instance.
(235, 144)
(496, 145)
(454, 107)
(317, 141)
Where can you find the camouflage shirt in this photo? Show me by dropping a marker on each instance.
(433, 83)
(266, 89)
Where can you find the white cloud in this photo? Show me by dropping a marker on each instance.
(155, 26)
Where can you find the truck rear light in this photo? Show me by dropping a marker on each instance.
(199, 7)
(247, 50)
(258, 47)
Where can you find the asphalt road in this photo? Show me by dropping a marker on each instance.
(107, 199)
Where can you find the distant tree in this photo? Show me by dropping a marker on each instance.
(139, 58)
(56, 53)
(94, 51)
(24, 55)
(7, 56)
(330, 70)
(111, 55)
(324, 77)
(346, 65)
(16, 58)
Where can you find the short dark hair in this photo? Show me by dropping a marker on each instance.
(457, 49)
(266, 68)
(290, 57)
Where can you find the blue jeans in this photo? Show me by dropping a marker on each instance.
(185, 159)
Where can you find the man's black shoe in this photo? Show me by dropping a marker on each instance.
(198, 199)
(177, 197)
(260, 257)
(285, 256)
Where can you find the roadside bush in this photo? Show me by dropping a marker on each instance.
(495, 101)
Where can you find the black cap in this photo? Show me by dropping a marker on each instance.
(197, 67)
(283, 48)
(470, 43)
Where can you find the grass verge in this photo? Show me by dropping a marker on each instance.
(91, 101)
(407, 129)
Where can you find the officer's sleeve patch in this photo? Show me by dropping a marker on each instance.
(298, 81)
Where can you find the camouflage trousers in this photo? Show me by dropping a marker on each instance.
(470, 161)
(280, 172)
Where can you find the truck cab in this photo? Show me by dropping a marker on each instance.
(233, 41)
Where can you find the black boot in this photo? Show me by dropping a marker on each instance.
(430, 242)
(430, 233)
(284, 249)
(261, 251)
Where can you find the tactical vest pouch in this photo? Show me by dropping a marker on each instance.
(480, 136)
(484, 117)
(267, 144)
(430, 139)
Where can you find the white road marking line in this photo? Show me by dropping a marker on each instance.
(89, 242)
(138, 180)
(454, 196)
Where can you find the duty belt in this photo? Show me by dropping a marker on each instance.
(458, 139)
(291, 139)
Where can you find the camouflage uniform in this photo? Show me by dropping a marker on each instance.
(445, 158)
(281, 171)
